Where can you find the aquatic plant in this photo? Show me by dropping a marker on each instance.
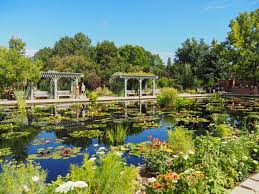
(167, 97)
(183, 102)
(6, 127)
(19, 178)
(4, 152)
(53, 128)
(190, 119)
(116, 135)
(110, 176)
(220, 118)
(180, 140)
(14, 135)
(222, 130)
(87, 133)
(59, 152)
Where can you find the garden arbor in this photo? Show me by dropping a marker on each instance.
(54, 76)
(138, 76)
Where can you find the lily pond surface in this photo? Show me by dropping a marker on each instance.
(57, 135)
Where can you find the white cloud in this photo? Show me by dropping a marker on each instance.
(30, 52)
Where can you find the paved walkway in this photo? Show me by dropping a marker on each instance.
(102, 99)
(249, 186)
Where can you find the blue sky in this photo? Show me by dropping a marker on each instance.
(158, 25)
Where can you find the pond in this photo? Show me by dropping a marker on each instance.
(57, 135)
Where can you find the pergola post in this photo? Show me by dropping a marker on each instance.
(72, 85)
(140, 87)
(153, 87)
(125, 86)
(55, 80)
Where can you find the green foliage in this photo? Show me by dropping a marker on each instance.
(21, 100)
(110, 176)
(22, 178)
(20, 70)
(187, 76)
(17, 44)
(181, 140)
(92, 98)
(220, 118)
(223, 130)
(242, 50)
(103, 91)
(183, 102)
(88, 133)
(167, 97)
(116, 135)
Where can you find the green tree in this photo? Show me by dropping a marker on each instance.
(16, 70)
(169, 62)
(187, 76)
(17, 44)
(109, 59)
(243, 47)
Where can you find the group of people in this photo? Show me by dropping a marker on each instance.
(80, 89)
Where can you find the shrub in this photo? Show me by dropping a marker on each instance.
(92, 98)
(103, 91)
(117, 135)
(167, 97)
(109, 176)
(183, 102)
(191, 91)
(158, 155)
(21, 100)
(181, 140)
(220, 118)
(222, 130)
(22, 178)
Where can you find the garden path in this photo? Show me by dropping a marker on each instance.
(249, 186)
(100, 99)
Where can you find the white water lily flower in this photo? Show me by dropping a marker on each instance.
(255, 161)
(70, 185)
(93, 159)
(255, 150)
(96, 145)
(186, 156)
(101, 149)
(119, 153)
(100, 153)
(175, 156)
(35, 178)
(151, 180)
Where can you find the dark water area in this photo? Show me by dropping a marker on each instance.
(47, 136)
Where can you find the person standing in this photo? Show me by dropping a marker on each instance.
(83, 88)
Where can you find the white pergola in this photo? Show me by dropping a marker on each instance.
(138, 76)
(55, 76)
